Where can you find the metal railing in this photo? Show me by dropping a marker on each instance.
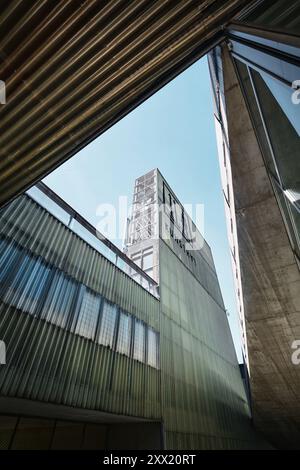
(61, 210)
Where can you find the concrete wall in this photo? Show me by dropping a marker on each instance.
(270, 277)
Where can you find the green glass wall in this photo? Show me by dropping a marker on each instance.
(203, 397)
(52, 285)
(80, 332)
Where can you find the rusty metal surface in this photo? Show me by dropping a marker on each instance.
(73, 68)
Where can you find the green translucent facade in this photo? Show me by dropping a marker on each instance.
(46, 362)
(176, 366)
(204, 402)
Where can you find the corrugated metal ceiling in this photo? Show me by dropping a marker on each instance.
(73, 68)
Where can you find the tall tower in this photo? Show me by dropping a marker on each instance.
(142, 230)
(202, 388)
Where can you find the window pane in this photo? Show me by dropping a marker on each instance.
(19, 281)
(51, 206)
(295, 218)
(108, 322)
(32, 289)
(58, 304)
(291, 217)
(152, 348)
(282, 123)
(255, 114)
(283, 95)
(124, 335)
(9, 258)
(147, 261)
(29, 281)
(285, 140)
(88, 315)
(139, 341)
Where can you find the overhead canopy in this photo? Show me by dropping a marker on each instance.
(73, 68)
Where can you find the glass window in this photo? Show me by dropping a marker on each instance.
(283, 135)
(291, 216)
(19, 281)
(283, 95)
(147, 260)
(94, 241)
(124, 334)
(51, 206)
(58, 305)
(88, 314)
(25, 290)
(245, 80)
(277, 122)
(9, 258)
(187, 227)
(32, 289)
(139, 341)
(108, 323)
(152, 358)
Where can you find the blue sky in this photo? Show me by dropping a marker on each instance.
(173, 131)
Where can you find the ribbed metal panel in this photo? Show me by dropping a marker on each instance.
(47, 361)
(195, 387)
(203, 398)
(277, 15)
(73, 68)
(33, 228)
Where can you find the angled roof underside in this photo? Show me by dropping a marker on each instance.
(73, 68)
